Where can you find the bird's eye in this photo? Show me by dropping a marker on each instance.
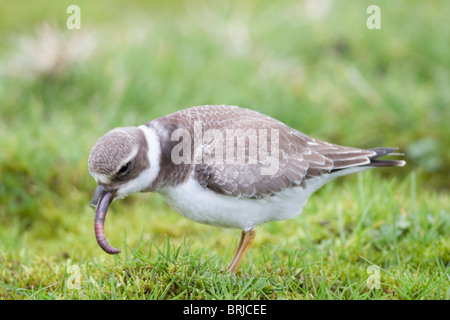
(124, 168)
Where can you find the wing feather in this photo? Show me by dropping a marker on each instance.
(298, 159)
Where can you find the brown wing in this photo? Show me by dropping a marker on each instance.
(288, 160)
(282, 169)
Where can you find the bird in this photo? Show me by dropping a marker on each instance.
(221, 165)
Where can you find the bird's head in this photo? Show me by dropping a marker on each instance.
(120, 164)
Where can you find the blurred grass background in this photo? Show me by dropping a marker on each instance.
(311, 64)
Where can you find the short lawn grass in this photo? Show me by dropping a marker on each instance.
(380, 234)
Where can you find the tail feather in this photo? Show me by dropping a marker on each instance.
(369, 158)
(380, 152)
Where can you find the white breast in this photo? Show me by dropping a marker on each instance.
(205, 206)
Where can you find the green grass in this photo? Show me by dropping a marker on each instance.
(322, 254)
(329, 77)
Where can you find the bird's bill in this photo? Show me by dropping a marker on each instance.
(98, 192)
(102, 198)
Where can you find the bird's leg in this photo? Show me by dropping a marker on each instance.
(245, 243)
(237, 250)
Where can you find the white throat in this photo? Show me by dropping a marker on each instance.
(148, 176)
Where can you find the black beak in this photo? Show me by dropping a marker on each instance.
(98, 192)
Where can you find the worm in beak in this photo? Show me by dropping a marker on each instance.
(103, 198)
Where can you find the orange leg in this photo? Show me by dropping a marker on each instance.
(245, 243)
